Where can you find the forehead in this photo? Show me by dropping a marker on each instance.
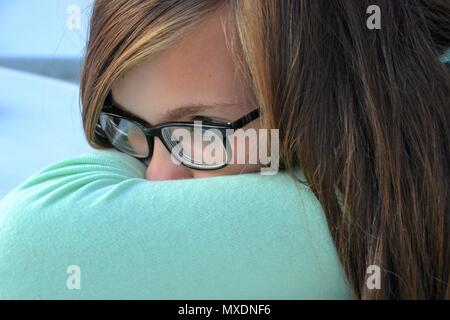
(197, 68)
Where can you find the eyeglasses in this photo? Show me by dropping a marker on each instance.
(195, 144)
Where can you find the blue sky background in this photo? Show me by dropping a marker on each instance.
(39, 28)
(40, 60)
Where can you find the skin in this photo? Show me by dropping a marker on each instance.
(198, 69)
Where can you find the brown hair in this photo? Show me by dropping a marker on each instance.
(364, 111)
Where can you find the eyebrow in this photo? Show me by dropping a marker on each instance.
(179, 112)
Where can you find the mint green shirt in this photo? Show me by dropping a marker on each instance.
(247, 236)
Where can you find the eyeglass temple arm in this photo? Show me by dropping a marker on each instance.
(246, 119)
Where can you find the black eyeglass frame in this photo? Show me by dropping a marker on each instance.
(150, 131)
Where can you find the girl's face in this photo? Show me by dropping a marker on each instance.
(198, 69)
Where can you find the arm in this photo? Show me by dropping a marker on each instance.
(227, 237)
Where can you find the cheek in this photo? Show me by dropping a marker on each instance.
(232, 169)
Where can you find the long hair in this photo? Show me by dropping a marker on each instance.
(364, 113)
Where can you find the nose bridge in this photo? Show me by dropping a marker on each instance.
(152, 131)
(155, 135)
(162, 167)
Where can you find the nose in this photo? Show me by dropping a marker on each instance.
(162, 167)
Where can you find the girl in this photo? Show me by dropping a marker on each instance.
(361, 111)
